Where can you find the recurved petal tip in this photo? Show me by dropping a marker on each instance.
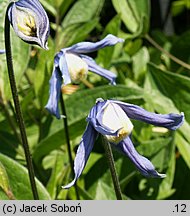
(150, 171)
(162, 175)
(113, 39)
(69, 185)
(145, 166)
(170, 121)
(87, 47)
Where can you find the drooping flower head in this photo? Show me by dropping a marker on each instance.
(71, 65)
(29, 21)
(111, 118)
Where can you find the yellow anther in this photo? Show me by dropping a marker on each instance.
(25, 30)
(26, 23)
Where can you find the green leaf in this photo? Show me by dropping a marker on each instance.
(174, 86)
(42, 73)
(19, 181)
(3, 6)
(4, 182)
(157, 150)
(127, 14)
(41, 85)
(20, 51)
(105, 55)
(141, 10)
(133, 47)
(180, 49)
(49, 6)
(64, 6)
(84, 194)
(165, 188)
(152, 147)
(163, 104)
(134, 14)
(104, 192)
(124, 182)
(57, 139)
(57, 171)
(9, 144)
(140, 60)
(178, 7)
(76, 32)
(56, 7)
(164, 161)
(96, 178)
(184, 148)
(82, 12)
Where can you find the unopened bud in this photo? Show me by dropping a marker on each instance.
(29, 21)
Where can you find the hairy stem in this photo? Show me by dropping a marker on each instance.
(18, 111)
(111, 164)
(68, 141)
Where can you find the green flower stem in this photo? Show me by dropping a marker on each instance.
(111, 164)
(172, 57)
(68, 141)
(17, 107)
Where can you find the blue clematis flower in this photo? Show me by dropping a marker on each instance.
(111, 119)
(71, 65)
(30, 21)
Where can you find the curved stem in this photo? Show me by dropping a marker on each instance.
(110, 160)
(87, 83)
(68, 141)
(17, 106)
(172, 57)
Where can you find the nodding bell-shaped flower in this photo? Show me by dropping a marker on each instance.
(29, 21)
(71, 65)
(111, 118)
(116, 119)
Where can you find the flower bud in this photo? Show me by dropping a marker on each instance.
(77, 67)
(116, 119)
(29, 21)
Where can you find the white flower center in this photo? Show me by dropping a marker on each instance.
(26, 23)
(115, 119)
(78, 68)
